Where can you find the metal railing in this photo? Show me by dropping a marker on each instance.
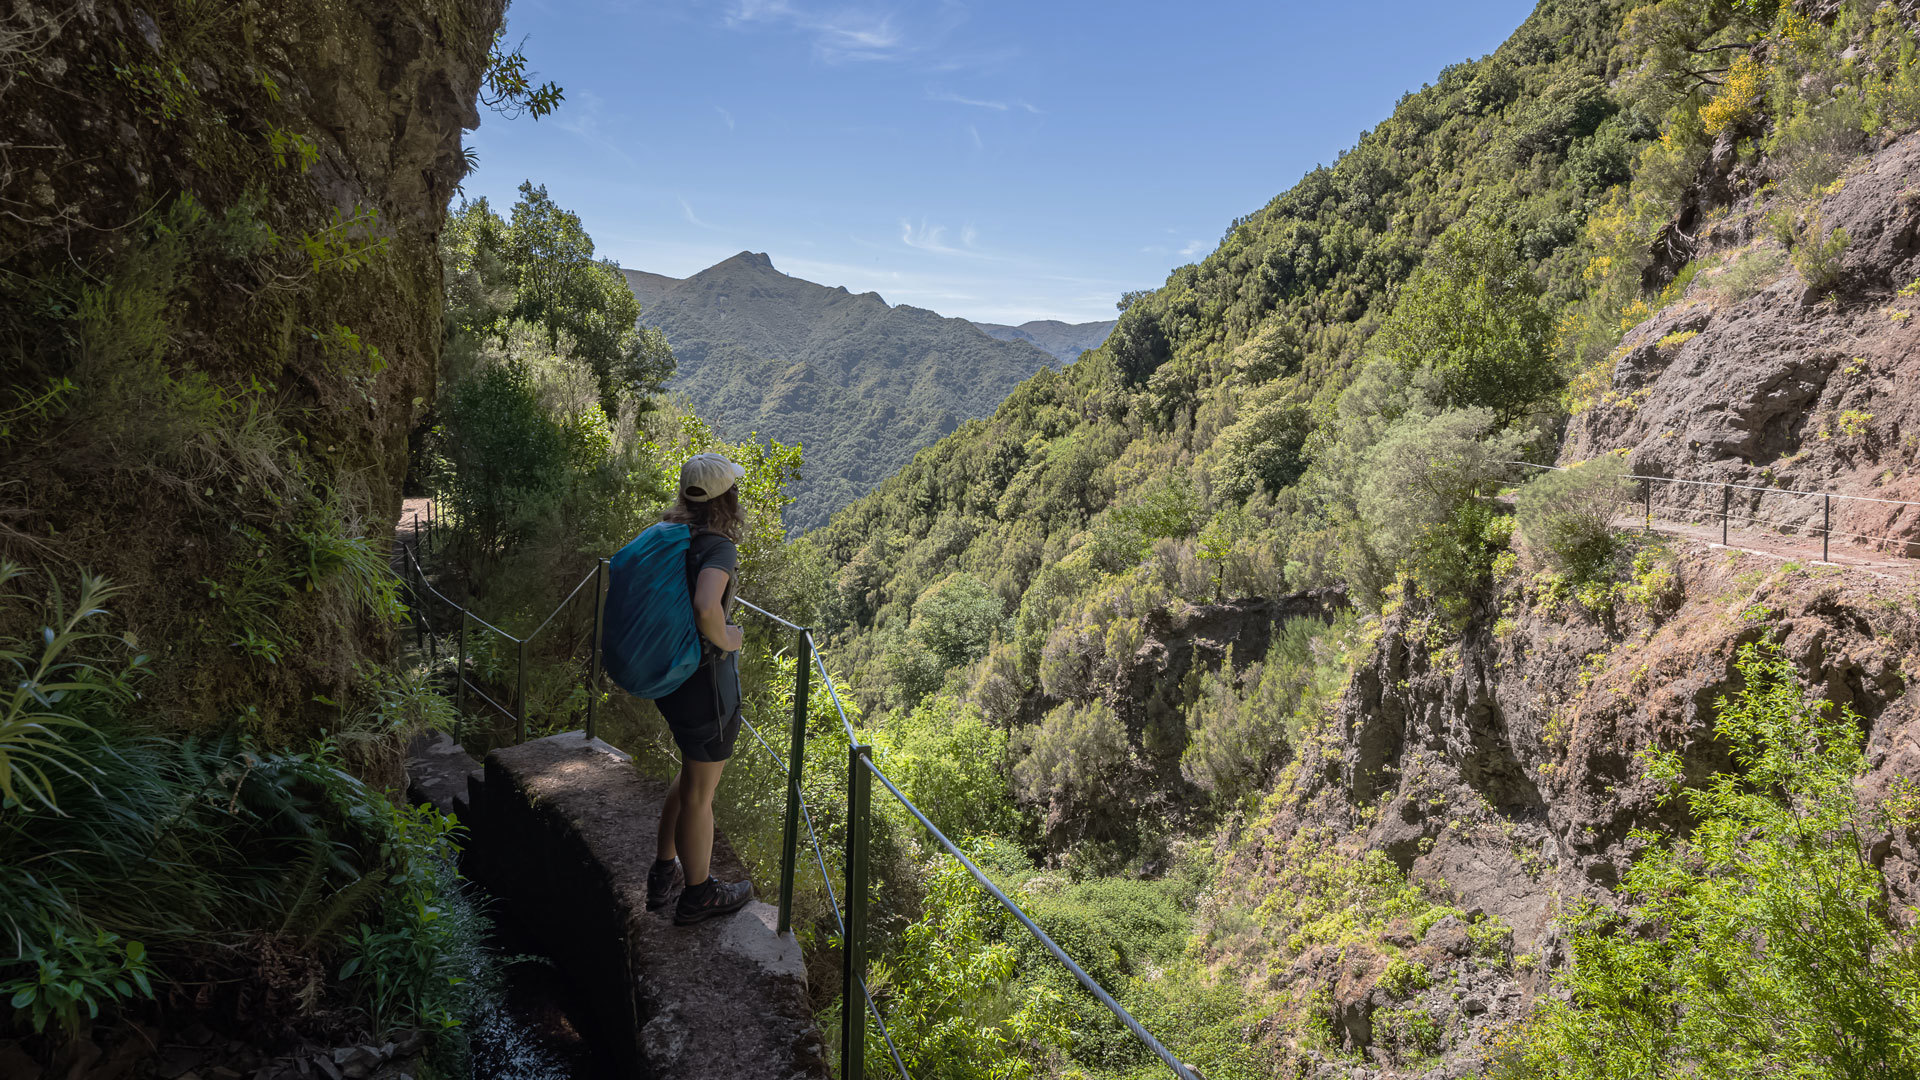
(1794, 521)
(424, 533)
(862, 771)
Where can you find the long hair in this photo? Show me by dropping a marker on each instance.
(720, 514)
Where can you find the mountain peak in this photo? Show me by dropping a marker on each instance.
(758, 259)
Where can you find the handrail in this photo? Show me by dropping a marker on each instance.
(852, 924)
(591, 575)
(1086, 980)
(1752, 517)
(408, 548)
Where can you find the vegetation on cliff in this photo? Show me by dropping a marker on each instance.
(1327, 401)
(219, 315)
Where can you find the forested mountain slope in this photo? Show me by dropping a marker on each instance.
(859, 383)
(1238, 590)
(1066, 341)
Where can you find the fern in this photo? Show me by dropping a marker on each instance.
(57, 689)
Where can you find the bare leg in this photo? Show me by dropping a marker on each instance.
(669, 819)
(694, 837)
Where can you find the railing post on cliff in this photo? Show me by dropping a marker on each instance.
(460, 667)
(520, 699)
(601, 578)
(796, 764)
(853, 952)
(1646, 498)
(1826, 525)
(1726, 510)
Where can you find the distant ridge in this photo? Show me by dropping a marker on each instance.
(1066, 341)
(860, 383)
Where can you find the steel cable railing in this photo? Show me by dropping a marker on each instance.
(1695, 515)
(861, 771)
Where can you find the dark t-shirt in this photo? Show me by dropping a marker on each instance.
(713, 551)
(704, 711)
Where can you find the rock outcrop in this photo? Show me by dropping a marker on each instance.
(1501, 768)
(1801, 387)
(220, 309)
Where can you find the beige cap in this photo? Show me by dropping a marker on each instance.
(707, 475)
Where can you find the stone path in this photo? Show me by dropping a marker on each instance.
(561, 830)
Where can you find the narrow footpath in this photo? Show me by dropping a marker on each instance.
(560, 829)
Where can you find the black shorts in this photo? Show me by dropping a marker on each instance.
(704, 713)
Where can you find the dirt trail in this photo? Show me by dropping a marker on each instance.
(1803, 548)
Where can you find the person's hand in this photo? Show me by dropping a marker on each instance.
(735, 639)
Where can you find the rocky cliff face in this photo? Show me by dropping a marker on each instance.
(1500, 768)
(222, 315)
(1803, 385)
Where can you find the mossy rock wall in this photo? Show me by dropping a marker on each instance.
(220, 316)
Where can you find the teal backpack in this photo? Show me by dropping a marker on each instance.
(649, 643)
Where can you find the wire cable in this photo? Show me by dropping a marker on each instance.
(1040, 935)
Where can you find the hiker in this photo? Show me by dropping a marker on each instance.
(704, 712)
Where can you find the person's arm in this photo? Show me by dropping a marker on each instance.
(710, 591)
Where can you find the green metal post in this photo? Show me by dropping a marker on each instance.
(419, 593)
(460, 668)
(796, 762)
(1646, 495)
(602, 575)
(853, 953)
(520, 709)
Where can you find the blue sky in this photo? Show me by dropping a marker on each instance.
(999, 161)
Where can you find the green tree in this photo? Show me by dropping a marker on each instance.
(956, 618)
(1473, 313)
(1418, 501)
(948, 759)
(1759, 944)
(560, 287)
(952, 992)
(500, 452)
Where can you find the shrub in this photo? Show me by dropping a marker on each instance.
(1567, 515)
(1817, 253)
(952, 992)
(949, 761)
(1753, 271)
(196, 861)
(61, 685)
(1418, 500)
(1403, 976)
(1073, 760)
(1759, 943)
(1264, 449)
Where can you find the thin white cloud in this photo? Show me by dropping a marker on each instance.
(951, 98)
(933, 238)
(1194, 247)
(926, 237)
(686, 211)
(725, 115)
(837, 36)
(978, 143)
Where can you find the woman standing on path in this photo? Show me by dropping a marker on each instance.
(704, 713)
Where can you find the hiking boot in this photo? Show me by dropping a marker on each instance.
(711, 898)
(660, 883)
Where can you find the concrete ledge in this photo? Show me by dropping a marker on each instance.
(562, 829)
